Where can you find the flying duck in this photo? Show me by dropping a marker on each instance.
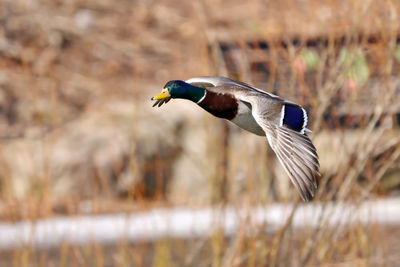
(282, 122)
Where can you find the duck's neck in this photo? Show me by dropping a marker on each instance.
(190, 92)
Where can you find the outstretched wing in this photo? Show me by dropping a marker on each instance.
(228, 84)
(297, 155)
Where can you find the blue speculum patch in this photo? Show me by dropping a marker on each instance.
(294, 117)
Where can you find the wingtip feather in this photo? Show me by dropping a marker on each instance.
(299, 158)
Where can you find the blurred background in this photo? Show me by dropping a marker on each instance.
(78, 135)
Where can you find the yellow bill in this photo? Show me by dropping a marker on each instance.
(164, 94)
(161, 98)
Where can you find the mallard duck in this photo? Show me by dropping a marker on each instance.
(282, 122)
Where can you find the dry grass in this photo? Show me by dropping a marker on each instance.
(78, 134)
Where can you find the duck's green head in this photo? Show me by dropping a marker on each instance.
(179, 89)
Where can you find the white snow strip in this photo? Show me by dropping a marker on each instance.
(187, 223)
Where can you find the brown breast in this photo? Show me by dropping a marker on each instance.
(220, 105)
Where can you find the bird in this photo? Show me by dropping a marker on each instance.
(282, 122)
